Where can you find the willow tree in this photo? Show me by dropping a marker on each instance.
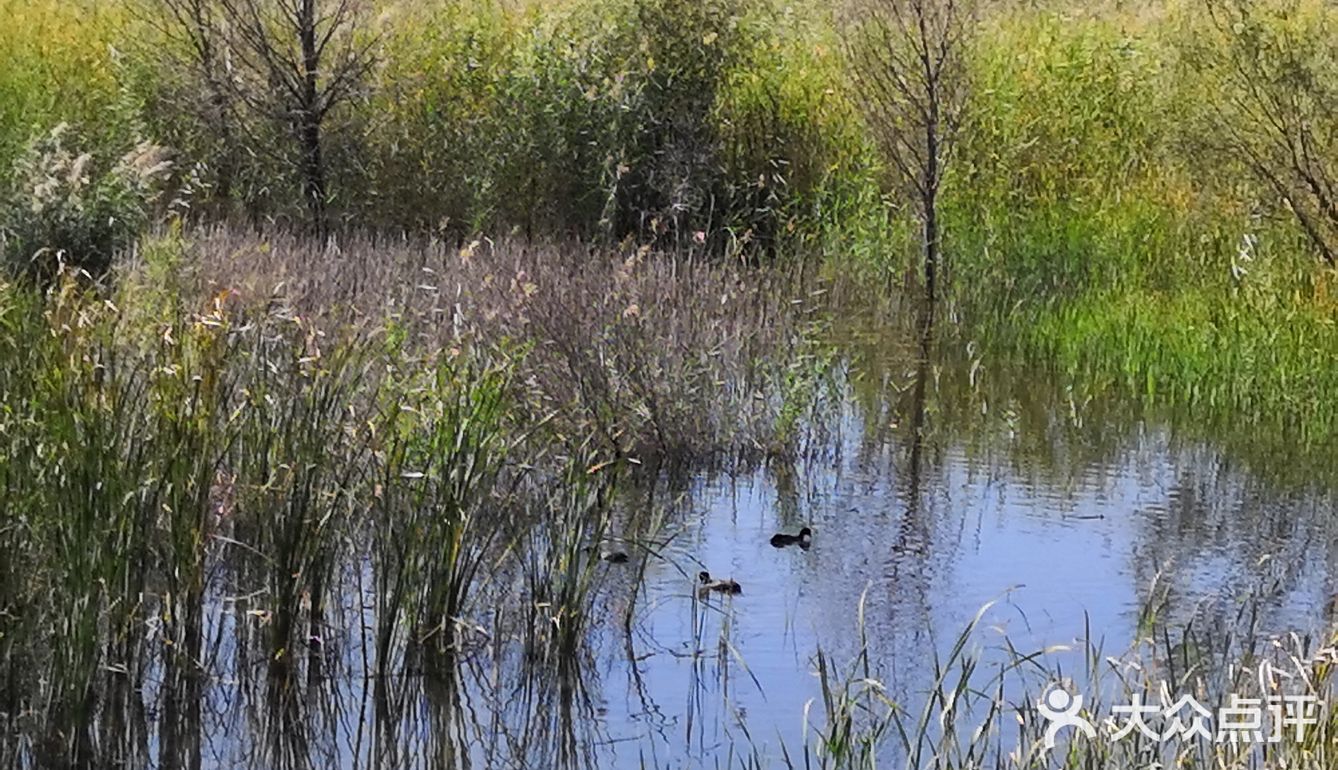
(909, 78)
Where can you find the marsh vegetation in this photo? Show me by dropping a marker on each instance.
(377, 378)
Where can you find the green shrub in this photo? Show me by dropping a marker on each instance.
(664, 120)
(67, 208)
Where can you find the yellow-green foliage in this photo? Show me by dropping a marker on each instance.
(58, 63)
(484, 116)
(1065, 109)
(586, 116)
(1097, 216)
(438, 92)
(1089, 158)
(790, 88)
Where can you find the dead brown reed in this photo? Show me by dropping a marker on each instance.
(660, 356)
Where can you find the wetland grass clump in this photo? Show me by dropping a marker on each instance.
(663, 357)
(441, 502)
(563, 563)
(234, 477)
(110, 455)
(71, 210)
(299, 465)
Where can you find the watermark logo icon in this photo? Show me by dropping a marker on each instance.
(1241, 721)
(1061, 708)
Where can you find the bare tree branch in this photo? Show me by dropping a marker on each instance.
(194, 33)
(1277, 116)
(910, 82)
(299, 60)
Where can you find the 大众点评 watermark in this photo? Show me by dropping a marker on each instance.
(1241, 721)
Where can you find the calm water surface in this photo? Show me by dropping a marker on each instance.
(1065, 543)
(1070, 516)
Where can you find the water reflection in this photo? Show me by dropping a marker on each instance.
(949, 483)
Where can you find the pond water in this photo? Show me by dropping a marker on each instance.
(1074, 516)
(1073, 531)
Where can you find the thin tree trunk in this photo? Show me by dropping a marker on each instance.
(227, 166)
(930, 202)
(313, 173)
(931, 251)
(313, 166)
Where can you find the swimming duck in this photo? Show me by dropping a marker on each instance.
(725, 586)
(608, 554)
(804, 539)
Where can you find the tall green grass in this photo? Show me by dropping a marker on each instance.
(1094, 225)
(657, 119)
(198, 478)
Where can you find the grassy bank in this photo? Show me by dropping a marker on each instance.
(1101, 225)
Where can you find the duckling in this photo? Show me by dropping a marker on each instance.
(610, 555)
(708, 585)
(804, 539)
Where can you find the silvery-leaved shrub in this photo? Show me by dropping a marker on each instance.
(65, 209)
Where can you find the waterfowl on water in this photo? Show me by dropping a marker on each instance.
(610, 555)
(725, 586)
(804, 539)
